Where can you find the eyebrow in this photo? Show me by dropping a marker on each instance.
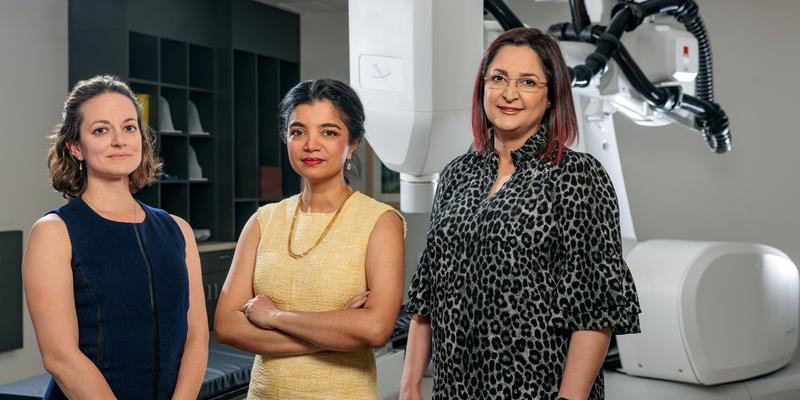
(325, 125)
(524, 74)
(105, 121)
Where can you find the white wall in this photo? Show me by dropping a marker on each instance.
(33, 83)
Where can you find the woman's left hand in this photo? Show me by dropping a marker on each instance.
(258, 310)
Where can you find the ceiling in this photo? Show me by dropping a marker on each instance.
(308, 7)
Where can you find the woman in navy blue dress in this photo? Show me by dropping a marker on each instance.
(113, 286)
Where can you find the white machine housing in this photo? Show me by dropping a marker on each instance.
(713, 312)
(412, 63)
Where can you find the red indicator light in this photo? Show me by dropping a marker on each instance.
(686, 51)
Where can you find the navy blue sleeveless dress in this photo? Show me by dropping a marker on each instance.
(131, 296)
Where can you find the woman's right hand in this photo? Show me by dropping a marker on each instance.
(358, 300)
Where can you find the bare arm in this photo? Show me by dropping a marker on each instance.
(418, 355)
(352, 329)
(587, 350)
(47, 276)
(195, 351)
(231, 326)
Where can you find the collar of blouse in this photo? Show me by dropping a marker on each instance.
(529, 152)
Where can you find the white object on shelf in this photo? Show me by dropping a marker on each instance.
(201, 235)
(164, 116)
(195, 170)
(195, 126)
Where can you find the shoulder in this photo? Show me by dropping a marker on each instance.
(182, 224)
(462, 163)
(51, 226)
(383, 215)
(578, 162)
(264, 213)
(581, 169)
(49, 232)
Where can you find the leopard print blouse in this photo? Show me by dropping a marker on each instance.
(505, 280)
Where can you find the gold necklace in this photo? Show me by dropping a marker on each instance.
(324, 233)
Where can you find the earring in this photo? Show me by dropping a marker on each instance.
(80, 166)
(348, 165)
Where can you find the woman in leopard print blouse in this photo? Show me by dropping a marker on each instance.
(522, 281)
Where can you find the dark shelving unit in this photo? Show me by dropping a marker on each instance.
(259, 84)
(180, 73)
(233, 60)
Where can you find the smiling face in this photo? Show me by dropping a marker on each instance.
(110, 141)
(512, 112)
(318, 141)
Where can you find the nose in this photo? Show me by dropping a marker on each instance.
(510, 91)
(310, 143)
(117, 138)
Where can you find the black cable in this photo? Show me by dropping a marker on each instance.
(710, 118)
(580, 16)
(503, 14)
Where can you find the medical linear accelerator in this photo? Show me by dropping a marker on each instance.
(720, 320)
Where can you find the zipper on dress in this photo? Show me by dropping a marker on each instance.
(152, 308)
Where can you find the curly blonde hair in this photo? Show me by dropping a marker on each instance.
(66, 175)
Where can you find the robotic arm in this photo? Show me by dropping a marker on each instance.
(709, 119)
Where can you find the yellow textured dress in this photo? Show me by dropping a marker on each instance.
(324, 280)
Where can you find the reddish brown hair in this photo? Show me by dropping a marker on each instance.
(560, 120)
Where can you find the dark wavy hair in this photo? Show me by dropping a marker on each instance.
(64, 169)
(559, 119)
(344, 99)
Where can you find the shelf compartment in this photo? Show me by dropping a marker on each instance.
(243, 212)
(245, 124)
(143, 59)
(204, 101)
(201, 66)
(204, 149)
(173, 62)
(177, 99)
(175, 200)
(289, 76)
(202, 208)
(148, 195)
(270, 145)
(173, 151)
(149, 110)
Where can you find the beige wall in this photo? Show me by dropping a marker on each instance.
(33, 83)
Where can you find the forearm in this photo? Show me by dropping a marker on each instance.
(342, 330)
(193, 365)
(77, 376)
(236, 330)
(418, 353)
(587, 350)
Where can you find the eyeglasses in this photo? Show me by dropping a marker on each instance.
(525, 85)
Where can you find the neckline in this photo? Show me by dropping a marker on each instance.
(96, 214)
(530, 150)
(312, 214)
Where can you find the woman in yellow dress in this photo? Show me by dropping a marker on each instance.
(317, 279)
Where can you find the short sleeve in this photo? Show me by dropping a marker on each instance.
(420, 296)
(594, 288)
(419, 293)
